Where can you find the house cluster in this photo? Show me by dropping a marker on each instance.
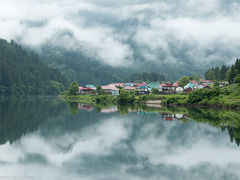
(144, 88)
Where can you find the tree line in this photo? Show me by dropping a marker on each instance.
(21, 72)
(225, 73)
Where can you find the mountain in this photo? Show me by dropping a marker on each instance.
(21, 72)
(80, 68)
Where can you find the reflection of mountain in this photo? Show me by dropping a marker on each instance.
(21, 116)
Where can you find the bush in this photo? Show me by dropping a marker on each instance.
(126, 97)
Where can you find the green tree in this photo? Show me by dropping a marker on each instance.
(184, 81)
(155, 91)
(73, 90)
(100, 91)
(210, 75)
(237, 79)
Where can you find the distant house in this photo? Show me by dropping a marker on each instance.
(191, 85)
(91, 86)
(86, 90)
(140, 84)
(129, 88)
(168, 88)
(208, 82)
(143, 90)
(117, 84)
(179, 89)
(129, 84)
(154, 85)
(110, 89)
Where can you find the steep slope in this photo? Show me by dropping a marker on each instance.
(22, 72)
(77, 67)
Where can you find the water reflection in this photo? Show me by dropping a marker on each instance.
(139, 145)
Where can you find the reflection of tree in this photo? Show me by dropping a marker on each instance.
(73, 107)
(21, 116)
(234, 134)
(224, 119)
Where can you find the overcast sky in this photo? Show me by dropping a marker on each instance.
(167, 30)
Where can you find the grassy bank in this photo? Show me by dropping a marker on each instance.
(227, 97)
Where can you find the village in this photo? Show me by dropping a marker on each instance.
(148, 88)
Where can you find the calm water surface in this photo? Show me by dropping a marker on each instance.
(44, 138)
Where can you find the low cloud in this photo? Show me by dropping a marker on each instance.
(167, 31)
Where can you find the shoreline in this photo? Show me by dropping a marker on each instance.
(107, 99)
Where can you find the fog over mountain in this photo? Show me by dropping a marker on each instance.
(173, 33)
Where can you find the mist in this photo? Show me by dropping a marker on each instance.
(199, 32)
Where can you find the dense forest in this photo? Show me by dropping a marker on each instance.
(84, 70)
(22, 73)
(81, 69)
(147, 77)
(231, 74)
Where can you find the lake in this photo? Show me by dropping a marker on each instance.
(45, 138)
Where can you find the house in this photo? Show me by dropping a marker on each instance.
(192, 85)
(86, 90)
(143, 90)
(168, 88)
(140, 84)
(179, 89)
(208, 82)
(91, 86)
(117, 84)
(154, 85)
(129, 84)
(110, 89)
(129, 88)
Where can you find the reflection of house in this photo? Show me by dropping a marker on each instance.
(86, 107)
(109, 110)
(170, 117)
(110, 89)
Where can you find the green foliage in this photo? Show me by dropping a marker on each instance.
(146, 76)
(224, 73)
(210, 75)
(21, 73)
(237, 79)
(174, 99)
(73, 90)
(100, 91)
(155, 91)
(126, 97)
(184, 81)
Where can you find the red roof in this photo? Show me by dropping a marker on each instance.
(140, 84)
(169, 85)
(194, 82)
(176, 84)
(85, 88)
(129, 88)
(117, 84)
(110, 87)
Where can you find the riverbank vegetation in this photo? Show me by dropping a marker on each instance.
(228, 97)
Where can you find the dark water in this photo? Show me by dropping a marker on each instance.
(44, 138)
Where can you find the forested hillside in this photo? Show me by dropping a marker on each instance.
(21, 72)
(231, 74)
(79, 68)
